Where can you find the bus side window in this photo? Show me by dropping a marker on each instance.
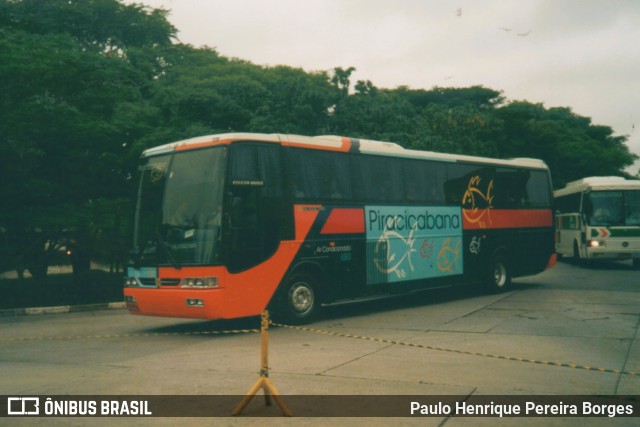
(318, 175)
(537, 190)
(459, 178)
(378, 179)
(424, 182)
(509, 190)
(254, 204)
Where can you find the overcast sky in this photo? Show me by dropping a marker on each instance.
(581, 54)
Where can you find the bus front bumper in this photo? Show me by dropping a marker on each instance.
(194, 304)
(608, 254)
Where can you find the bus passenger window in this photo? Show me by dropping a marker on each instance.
(318, 175)
(378, 179)
(424, 182)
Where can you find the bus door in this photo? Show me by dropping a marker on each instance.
(253, 205)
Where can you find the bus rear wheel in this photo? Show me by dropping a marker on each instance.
(499, 275)
(300, 303)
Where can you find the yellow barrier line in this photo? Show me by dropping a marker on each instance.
(152, 334)
(468, 353)
(333, 333)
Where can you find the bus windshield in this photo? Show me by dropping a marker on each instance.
(179, 210)
(614, 208)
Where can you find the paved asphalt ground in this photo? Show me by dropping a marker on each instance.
(572, 330)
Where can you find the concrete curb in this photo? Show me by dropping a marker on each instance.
(61, 309)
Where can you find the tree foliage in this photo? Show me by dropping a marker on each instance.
(570, 144)
(65, 80)
(86, 85)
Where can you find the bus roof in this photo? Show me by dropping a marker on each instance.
(598, 183)
(340, 143)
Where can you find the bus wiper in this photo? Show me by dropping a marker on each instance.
(167, 250)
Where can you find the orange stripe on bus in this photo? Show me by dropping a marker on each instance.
(241, 294)
(197, 145)
(345, 147)
(344, 221)
(475, 219)
(248, 293)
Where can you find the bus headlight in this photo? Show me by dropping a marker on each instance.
(130, 282)
(199, 282)
(597, 243)
(194, 302)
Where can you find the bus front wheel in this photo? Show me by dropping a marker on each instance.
(499, 277)
(576, 252)
(300, 304)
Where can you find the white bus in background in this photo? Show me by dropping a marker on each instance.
(598, 218)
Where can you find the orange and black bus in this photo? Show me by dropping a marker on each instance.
(228, 225)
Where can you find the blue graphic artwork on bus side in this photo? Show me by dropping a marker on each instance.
(409, 243)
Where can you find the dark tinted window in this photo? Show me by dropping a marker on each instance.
(257, 165)
(521, 189)
(322, 175)
(254, 205)
(509, 188)
(378, 179)
(460, 178)
(315, 174)
(539, 190)
(480, 186)
(424, 181)
(569, 203)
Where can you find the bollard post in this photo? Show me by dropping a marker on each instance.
(263, 382)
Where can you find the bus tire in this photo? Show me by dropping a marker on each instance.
(577, 257)
(300, 302)
(576, 253)
(499, 274)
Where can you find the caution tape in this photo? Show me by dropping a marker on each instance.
(140, 335)
(333, 333)
(465, 352)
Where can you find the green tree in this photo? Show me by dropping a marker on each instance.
(205, 93)
(570, 144)
(297, 102)
(448, 120)
(476, 96)
(373, 113)
(455, 120)
(341, 79)
(462, 129)
(63, 81)
(105, 26)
